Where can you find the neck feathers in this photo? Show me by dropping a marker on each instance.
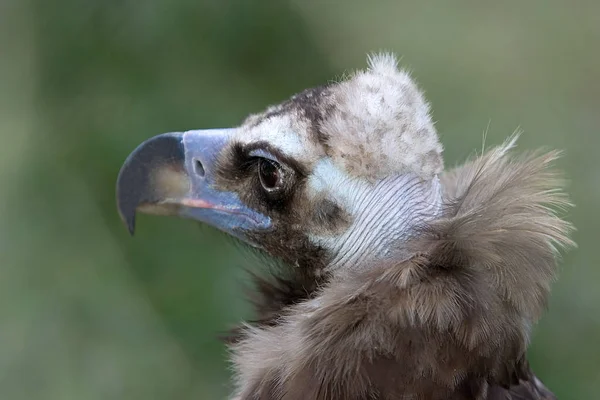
(386, 216)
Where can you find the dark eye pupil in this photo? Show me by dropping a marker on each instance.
(269, 174)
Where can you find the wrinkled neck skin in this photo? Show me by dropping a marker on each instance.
(386, 214)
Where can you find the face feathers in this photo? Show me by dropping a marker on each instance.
(356, 140)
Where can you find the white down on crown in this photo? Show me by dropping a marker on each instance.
(380, 125)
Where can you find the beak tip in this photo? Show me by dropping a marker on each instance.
(129, 220)
(125, 208)
(131, 226)
(135, 183)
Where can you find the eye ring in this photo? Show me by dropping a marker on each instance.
(270, 175)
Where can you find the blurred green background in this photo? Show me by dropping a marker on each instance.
(87, 312)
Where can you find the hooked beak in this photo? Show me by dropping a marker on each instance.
(174, 174)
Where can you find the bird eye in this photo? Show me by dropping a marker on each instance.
(270, 174)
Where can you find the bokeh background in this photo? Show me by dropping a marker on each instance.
(87, 312)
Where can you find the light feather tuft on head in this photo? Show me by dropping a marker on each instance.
(380, 124)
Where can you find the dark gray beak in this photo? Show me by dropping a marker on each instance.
(174, 174)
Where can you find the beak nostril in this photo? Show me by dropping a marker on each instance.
(199, 168)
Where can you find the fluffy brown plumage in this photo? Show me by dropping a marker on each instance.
(451, 322)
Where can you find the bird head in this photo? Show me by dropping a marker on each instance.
(335, 176)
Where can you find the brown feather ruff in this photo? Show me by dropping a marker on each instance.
(451, 322)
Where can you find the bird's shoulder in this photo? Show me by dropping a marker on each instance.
(382, 334)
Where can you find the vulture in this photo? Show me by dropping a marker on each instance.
(392, 276)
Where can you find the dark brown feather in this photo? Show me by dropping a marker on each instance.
(451, 322)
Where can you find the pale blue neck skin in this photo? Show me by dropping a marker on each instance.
(385, 215)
